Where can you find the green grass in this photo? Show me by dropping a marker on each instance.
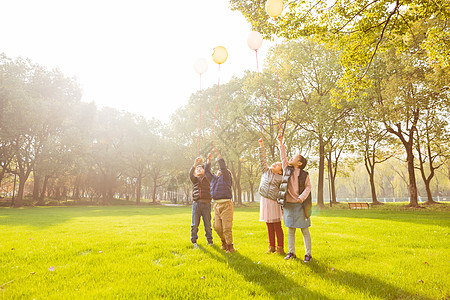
(145, 252)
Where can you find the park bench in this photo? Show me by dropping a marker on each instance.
(358, 205)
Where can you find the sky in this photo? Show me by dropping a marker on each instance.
(135, 55)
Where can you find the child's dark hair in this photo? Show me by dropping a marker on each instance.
(304, 161)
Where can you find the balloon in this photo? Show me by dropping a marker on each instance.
(274, 7)
(220, 55)
(201, 66)
(254, 40)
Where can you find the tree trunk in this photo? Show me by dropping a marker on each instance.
(320, 202)
(58, 192)
(2, 175)
(36, 188)
(332, 180)
(138, 189)
(413, 201)
(426, 180)
(370, 168)
(429, 196)
(76, 188)
(238, 182)
(373, 189)
(333, 190)
(408, 144)
(104, 189)
(19, 200)
(43, 191)
(154, 190)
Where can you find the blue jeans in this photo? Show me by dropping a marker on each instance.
(203, 210)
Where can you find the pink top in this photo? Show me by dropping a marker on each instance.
(293, 194)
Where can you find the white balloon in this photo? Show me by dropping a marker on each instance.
(254, 40)
(201, 65)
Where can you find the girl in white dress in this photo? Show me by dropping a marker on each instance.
(270, 212)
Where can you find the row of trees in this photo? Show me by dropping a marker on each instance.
(392, 53)
(403, 115)
(394, 104)
(48, 133)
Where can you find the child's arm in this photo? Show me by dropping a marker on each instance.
(307, 190)
(216, 151)
(283, 156)
(191, 175)
(208, 173)
(262, 156)
(191, 172)
(223, 166)
(225, 173)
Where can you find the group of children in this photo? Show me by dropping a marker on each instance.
(285, 190)
(208, 186)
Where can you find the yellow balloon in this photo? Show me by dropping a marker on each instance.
(220, 55)
(274, 7)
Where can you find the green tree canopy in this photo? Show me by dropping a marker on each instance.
(359, 29)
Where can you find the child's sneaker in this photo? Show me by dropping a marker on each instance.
(195, 245)
(290, 255)
(307, 258)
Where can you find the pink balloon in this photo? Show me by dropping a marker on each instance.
(254, 40)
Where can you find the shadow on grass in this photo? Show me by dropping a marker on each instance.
(273, 281)
(371, 286)
(42, 217)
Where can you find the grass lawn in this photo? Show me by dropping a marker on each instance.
(145, 252)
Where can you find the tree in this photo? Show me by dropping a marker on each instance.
(370, 136)
(34, 99)
(234, 136)
(158, 164)
(335, 147)
(140, 141)
(358, 29)
(406, 94)
(309, 73)
(106, 151)
(252, 172)
(431, 146)
(372, 143)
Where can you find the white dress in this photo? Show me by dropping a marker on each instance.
(269, 211)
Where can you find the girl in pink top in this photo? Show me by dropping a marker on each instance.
(297, 200)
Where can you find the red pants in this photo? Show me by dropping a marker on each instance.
(275, 229)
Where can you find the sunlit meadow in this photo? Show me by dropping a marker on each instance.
(145, 252)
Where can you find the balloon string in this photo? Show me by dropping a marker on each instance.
(215, 113)
(260, 91)
(200, 119)
(278, 81)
